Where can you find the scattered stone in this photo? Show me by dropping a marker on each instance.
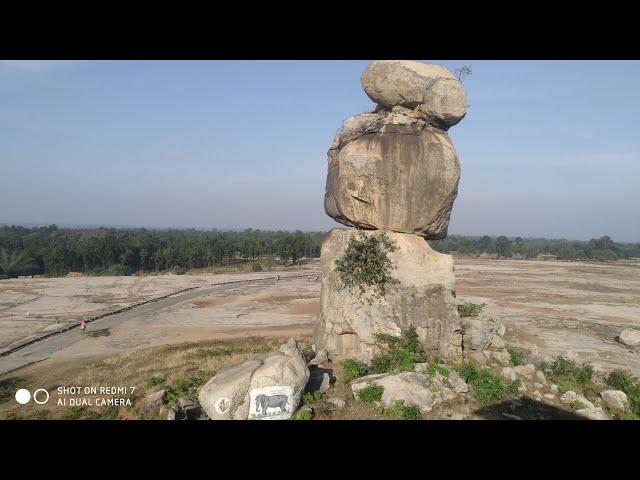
(188, 408)
(540, 377)
(630, 337)
(497, 343)
(458, 416)
(167, 413)
(153, 401)
(422, 298)
(501, 329)
(337, 403)
(502, 357)
(457, 383)
(479, 358)
(411, 387)
(615, 399)
(522, 387)
(478, 332)
(571, 397)
(526, 371)
(554, 388)
(508, 373)
(432, 90)
(227, 395)
(593, 413)
(446, 394)
(539, 386)
(549, 396)
(320, 359)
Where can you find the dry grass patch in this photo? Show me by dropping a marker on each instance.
(181, 369)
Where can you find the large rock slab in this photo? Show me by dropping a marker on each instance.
(431, 89)
(422, 298)
(392, 172)
(410, 387)
(254, 389)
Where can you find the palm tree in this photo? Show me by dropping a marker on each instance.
(13, 262)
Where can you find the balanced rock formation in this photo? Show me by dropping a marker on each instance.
(432, 90)
(395, 169)
(392, 171)
(422, 298)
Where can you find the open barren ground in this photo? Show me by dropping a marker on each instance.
(549, 308)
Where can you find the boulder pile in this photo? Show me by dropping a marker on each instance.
(395, 170)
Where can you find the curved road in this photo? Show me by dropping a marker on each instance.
(42, 349)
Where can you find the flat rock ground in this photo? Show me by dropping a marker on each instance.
(549, 308)
(552, 308)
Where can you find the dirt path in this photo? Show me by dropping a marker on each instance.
(132, 324)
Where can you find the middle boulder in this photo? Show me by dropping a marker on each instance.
(390, 170)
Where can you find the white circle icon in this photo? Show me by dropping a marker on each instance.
(36, 393)
(23, 396)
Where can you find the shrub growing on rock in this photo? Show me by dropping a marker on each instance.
(399, 354)
(371, 393)
(470, 309)
(353, 369)
(365, 263)
(400, 411)
(485, 385)
(623, 380)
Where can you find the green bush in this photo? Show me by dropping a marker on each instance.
(563, 366)
(179, 270)
(187, 386)
(400, 411)
(381, 364)
(304, 414)
(433, 368)
(485, 385)
(623, 380)
(399, 354)
(155, 381)
(311, 397)
(470, 309)
(353, 369)
(256, 267)
(517, 357)
(371, 393)
(365, 263)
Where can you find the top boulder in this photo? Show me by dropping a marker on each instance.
(432, 90)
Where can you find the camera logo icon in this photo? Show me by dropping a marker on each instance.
(40, 396)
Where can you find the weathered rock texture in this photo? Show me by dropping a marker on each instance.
(422, 298)
(391, 171)
(233, 385)
(395, 169)
(432, 90)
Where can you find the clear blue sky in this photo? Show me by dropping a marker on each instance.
(548, 149)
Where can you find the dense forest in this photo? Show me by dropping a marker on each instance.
(56, 251)
(601, 249)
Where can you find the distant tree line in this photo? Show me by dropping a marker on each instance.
(603, 248)
(56, 251)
